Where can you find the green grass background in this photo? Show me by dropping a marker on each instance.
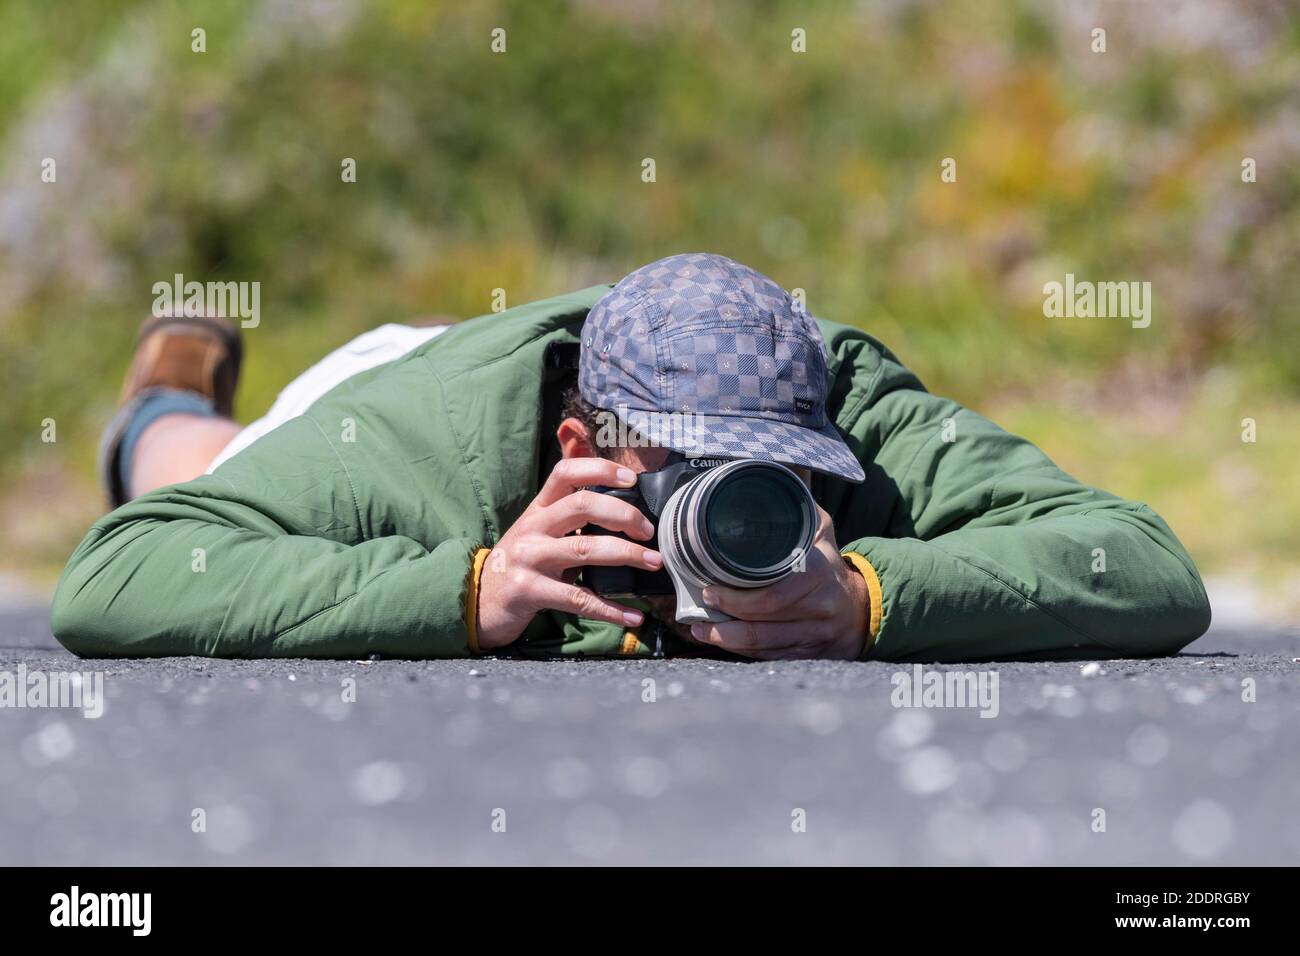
(523, 171)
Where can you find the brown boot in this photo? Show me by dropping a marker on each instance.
(198, 355)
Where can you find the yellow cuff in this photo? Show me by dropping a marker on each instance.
(471, 597)
(863, 567)
(630, 644)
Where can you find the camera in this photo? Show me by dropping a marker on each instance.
(742, 523)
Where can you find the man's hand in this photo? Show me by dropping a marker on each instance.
(818, 612)
(533, 566)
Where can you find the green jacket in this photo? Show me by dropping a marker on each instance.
(314, 542)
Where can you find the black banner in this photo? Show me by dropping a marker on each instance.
(338, 905)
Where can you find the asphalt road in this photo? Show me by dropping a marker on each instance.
(494, 761)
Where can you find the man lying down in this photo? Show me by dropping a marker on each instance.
(684, 463)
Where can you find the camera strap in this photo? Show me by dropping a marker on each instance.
(657, 627)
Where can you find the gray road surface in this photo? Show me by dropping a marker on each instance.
(720, 768)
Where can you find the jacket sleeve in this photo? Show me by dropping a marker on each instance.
(984, 549)
(273, 555)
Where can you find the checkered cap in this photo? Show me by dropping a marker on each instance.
(708, 357)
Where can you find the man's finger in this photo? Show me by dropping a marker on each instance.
(556, 554)
(757, 639)
(776, 602)
(570, 474)
(581, 508)
(558, 596)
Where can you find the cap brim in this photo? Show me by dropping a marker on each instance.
(821, 449)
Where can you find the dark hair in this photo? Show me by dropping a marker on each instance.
(573, 405)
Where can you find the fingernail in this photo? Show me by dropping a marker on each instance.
(652, 558)
(698, 631)
(710, 597)
(632, 618)
(647, 529)
(626, 476)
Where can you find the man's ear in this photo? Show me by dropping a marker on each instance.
(575, 442)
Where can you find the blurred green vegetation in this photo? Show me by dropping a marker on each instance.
(522, 171)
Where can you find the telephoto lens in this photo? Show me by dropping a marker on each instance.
(745, 524)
